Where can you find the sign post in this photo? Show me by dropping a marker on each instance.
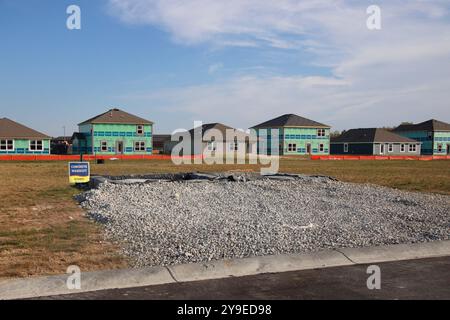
(79, 172)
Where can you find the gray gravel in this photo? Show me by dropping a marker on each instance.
(172, 222)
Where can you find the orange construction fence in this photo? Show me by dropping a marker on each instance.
(88, 157)
(168, 157)
(352, 157)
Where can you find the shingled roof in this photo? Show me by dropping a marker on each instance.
(116, 116)
(207, 126)
(291, 120)
(12, 130)
(217, 126)
(430, 125)
(370, 135)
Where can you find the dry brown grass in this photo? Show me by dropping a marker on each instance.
(43, 230)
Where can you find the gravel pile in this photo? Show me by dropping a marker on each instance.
(172, 222)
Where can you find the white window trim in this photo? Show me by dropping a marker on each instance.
(402, 147)
(234, 146)
(137, 129)
(390, 148)
(320, 131)
(440, 147)
(321, 147)
(345, 147)
(101, 146)
(42, 145)
(142, 146)
(292, 147)
(6, 144)
(211, 145)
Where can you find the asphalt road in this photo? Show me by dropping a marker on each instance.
(412, 279)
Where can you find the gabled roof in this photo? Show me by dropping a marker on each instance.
(291, 120)
(116, 116)
(217, 126)
(207, 126)
(370, 135)
(78, 136)
(430, 125)
(161, 137)
(13, 130)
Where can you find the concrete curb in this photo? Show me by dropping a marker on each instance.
(119, 279)
(397, 252)
(258, 265)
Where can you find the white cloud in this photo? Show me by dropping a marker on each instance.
(215, 67)
(378, 77)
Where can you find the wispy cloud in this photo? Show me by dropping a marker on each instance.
(215, 67)
(401, 72)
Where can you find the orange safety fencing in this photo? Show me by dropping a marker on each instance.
(168, 157)
(90, 157)
(352, 157)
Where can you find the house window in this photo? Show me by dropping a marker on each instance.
(234, 146)
(321, 147)
(321, 132)
(412, 148)
(402, 148)
(390, 147)
(104, 146)
(6, 145)
(292, 147)
(140, 130)
(139, 146)
(36, 145)
(211, 146)
(439, 147)
(345, 147)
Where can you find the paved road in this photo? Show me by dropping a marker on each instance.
(413, 279)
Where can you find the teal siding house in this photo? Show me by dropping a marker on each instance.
(297, 136)
(434, 135)
(114, 132)
(17, 139)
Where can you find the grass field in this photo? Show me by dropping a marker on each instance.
(43, 230)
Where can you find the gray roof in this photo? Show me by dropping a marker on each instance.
(116, 116)
(291, 120)
(370, 135)
(78, 136)
(217, 126)
(13, 130)
(430, 125)
(161, 137)
(207, 126)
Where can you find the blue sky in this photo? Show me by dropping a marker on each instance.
(237, 62)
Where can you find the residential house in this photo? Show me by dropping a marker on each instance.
(162, 143)
(433, 134)
(17, 139)
(217, 139)
(373, 141)
(297, 136)
(114, 132)
(61, 145)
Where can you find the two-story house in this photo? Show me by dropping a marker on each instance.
(114, 132)
(296, 136)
